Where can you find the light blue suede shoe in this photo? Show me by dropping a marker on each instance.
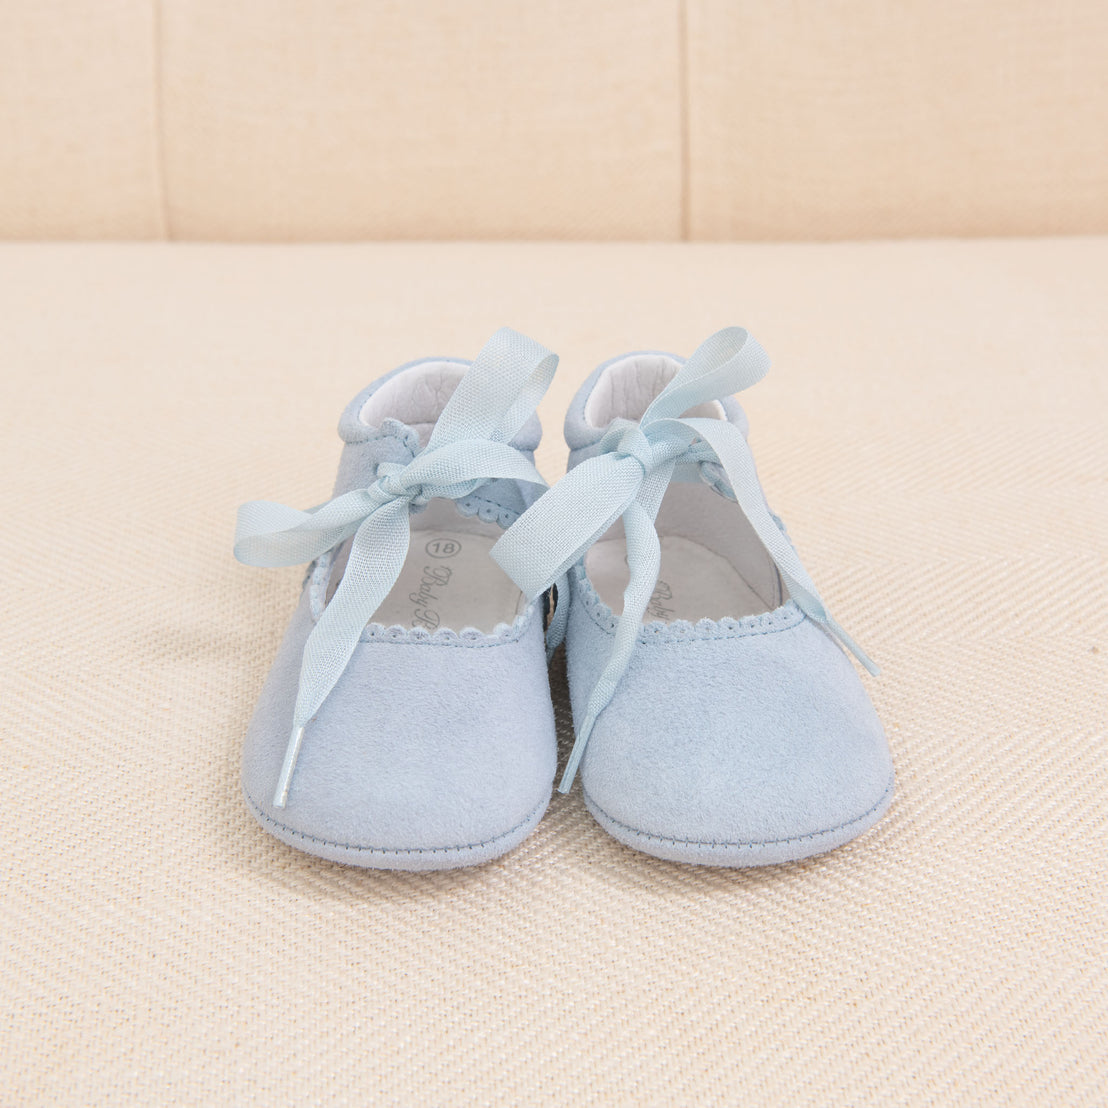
(406, 723)
(718, 719)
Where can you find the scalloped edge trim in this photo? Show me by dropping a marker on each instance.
(389, 429)
(657, 631)
(491, 511)
(500, 635)
(488, 510)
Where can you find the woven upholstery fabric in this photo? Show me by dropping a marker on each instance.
(932, 431)
(488, 119)
(78, 120)
(260, 120)
(865, 119)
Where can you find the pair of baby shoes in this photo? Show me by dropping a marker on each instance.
(407, 723)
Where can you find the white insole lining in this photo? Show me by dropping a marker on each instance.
(694, 582)
(713, 565)
(626, 388)
(449, 580)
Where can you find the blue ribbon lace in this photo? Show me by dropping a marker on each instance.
(628, 479)
(467, 448)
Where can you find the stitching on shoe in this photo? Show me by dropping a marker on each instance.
(470, 638)
(504, 634)
(390, 851)
(489, 510)
(660, 633)
(708, 845)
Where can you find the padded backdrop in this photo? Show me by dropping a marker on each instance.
(872, 119)
(932, 431)
(79, 120)
(567, 119)
(495, 119)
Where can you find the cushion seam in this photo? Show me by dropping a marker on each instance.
(707, 844)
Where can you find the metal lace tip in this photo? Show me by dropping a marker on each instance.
(292, 751)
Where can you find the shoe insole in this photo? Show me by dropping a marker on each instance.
(694, 582)
(449, 580)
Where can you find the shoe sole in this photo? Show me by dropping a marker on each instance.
(412, 860)
(740, 855)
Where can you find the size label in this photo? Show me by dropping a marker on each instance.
(443, 548)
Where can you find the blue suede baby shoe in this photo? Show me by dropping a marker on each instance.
(718, 720)
(406, 723)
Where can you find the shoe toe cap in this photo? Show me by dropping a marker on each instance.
(423, 757)
(736, 752)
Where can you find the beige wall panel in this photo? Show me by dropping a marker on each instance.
(78, 120)
(300, 120)
(858, 118)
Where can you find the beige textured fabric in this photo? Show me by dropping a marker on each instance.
(932, 430)
(78, 120)
(867, 119)
(484, 120)
(656, 119)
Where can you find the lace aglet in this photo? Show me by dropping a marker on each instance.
(867, 662)
(292, 751)
(575, 755)
(863, 658)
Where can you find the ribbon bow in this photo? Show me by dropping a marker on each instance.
(628, 479)
(467, 448)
